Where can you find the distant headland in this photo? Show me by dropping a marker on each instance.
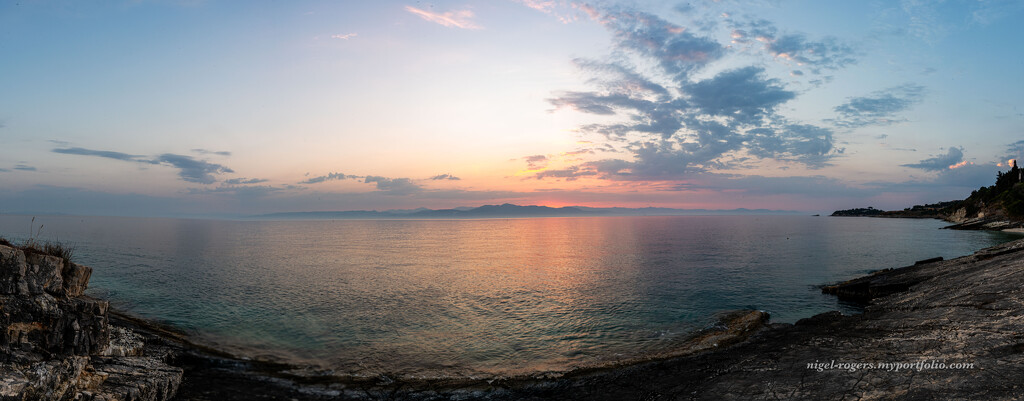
(509, 210)
(995, 207)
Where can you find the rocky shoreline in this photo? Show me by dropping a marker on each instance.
(959, 312)
(57, 344)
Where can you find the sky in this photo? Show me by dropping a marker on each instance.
(207, 107)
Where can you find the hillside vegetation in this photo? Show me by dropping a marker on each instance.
(1004, 199)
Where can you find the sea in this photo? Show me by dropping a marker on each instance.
(478, 298)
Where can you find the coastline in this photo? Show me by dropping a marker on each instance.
(953, 311)
(961, 310)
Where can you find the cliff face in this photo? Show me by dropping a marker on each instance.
(57, 344)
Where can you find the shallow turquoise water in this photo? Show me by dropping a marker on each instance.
(479, 297)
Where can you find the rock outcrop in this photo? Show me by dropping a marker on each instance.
(57, 344)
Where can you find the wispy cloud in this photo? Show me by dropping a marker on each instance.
(387, 186)
(345, 36)
(1015, 151)
(441, 177)
(989, 11)
(328, 177)
(571, 173)
(189, 168)
(23, 167)
(677, 51)
(539, 5)
(951, 160)
(536, 162)
(244, 181)
(100, 153)
(815, 55)
(458, 19)
(879, 108)
(193, 170)
(393, 186)
(212, 152)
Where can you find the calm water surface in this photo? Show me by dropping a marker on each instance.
(464, 298)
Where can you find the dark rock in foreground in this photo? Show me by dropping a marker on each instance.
(56, 344)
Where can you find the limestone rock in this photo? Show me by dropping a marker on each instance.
(132, 379)
(123, 342)
(55, 343)
(49, 325)
(12, 270)
(76, 278)
(47, 380)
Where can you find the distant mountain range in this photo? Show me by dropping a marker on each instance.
(511, 211)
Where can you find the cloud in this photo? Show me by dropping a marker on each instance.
(953, 183)
(3, 170)
(673, 136)
(879, 108)
(241, 181)
(189, 169)
(536, 162)
(1014, 151)
(941, 162)
(328, 177)
(346, 36)
(101, 153)
(578, 152)
(389, 186)
(673, 119)
(193, 170)
(618, 78)
(23, 167)
(816, 55)
(458, 19)
(595, 103)
(393, 186)
(445, 177)
(570, 174)
(807, 144)
(539, 5)
(742, 94)
(987, 12)
(211, 152)
(677, 51)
